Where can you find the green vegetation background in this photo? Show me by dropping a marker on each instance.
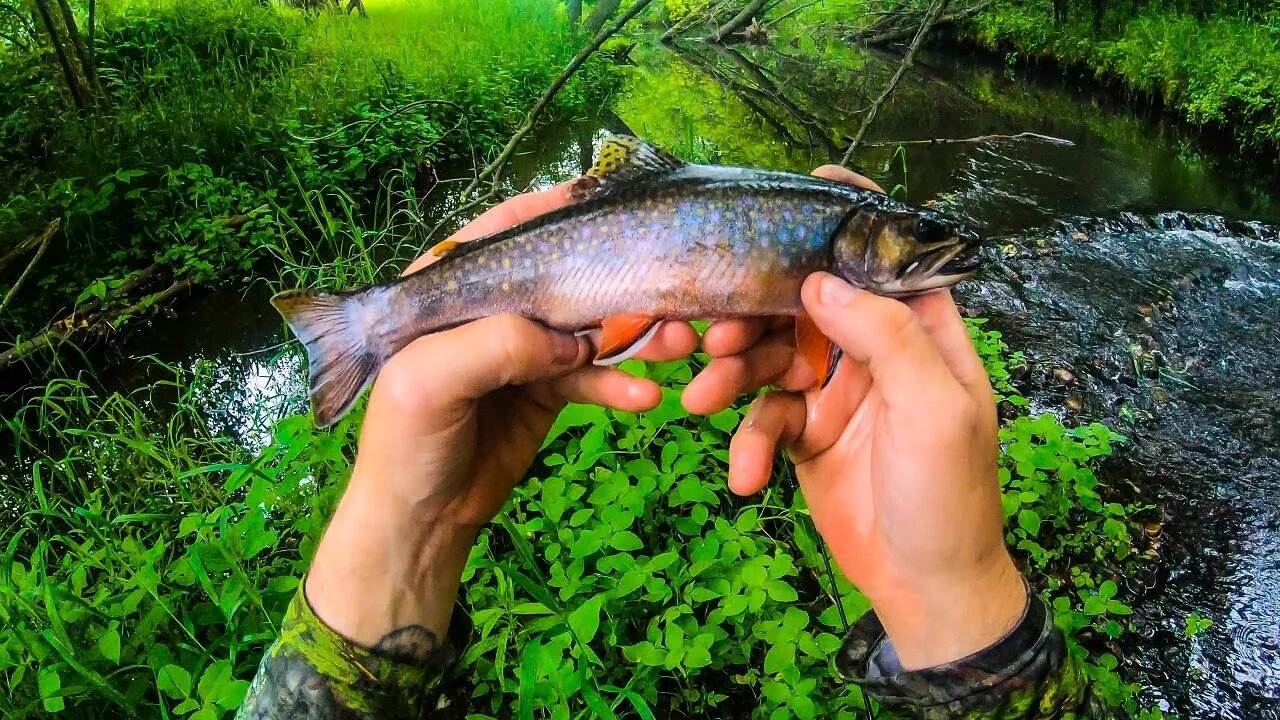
(1212, 62)
(147, 558)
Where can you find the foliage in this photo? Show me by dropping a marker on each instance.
(155, 556)
(226, 117)
(1206, 62)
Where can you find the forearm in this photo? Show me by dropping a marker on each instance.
(1026, 675)
(366, 635)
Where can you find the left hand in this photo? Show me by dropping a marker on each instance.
(453, 423)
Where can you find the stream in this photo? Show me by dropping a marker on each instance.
(1140, 258)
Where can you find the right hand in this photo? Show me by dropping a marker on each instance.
(896, 458)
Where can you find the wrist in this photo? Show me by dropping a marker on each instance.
(939, 621)
(384, 565)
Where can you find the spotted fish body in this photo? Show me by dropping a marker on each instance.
(650, 239)
(708, 243)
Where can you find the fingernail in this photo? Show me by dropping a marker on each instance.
(566, 348)
(835, 291)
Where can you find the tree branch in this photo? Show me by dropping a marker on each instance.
(43, 241)
(979, 139)
(737, 22)
(493, 171)
(930, 17)
(877, 34)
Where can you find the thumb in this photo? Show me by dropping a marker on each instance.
(472, 360)
(884, 334)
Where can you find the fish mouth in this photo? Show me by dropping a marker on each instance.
(939, 268)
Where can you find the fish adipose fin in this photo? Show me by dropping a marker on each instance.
(623, 159)
(339, 356)
(624, 336)
(821, 354)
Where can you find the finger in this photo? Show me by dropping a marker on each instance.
(472, 360)
(843, 174)
(941, 320)
(773, 422)
(886, 335)
(730, 337)
(726, 378)
(511, 212)
(608, 387)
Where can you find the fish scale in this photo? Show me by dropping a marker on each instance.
(649, 238)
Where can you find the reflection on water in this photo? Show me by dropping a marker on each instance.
(1097, 237)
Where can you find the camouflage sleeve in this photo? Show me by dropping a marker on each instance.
(312, 673)
(1026, 675)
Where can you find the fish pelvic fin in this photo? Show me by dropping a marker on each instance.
(822, 355)
(623, 336)
(340, 358)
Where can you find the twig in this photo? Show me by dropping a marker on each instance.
(70, 325)
(979, 139)
(929, 17)
(706, 11)
(493, 171)
(17, 284)
(793, 11)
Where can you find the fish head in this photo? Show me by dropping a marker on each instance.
(900, 253)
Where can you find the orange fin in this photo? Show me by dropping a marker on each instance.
(821, 354)
(444, 247)
(624, 336)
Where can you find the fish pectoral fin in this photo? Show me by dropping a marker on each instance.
(623, 159)
(821, 354)
(623, 336)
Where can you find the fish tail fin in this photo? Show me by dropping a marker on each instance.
(340, 356)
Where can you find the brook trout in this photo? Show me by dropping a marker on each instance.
(650, 238)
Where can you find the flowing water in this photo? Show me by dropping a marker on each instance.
(1138, 258)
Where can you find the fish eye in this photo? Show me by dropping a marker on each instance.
(930, 231)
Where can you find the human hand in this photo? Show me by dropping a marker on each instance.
(896, 458)
(453, 423)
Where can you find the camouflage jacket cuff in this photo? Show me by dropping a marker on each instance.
(1013, 678)
(312, 671)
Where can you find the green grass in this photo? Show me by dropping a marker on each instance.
(1209, 68)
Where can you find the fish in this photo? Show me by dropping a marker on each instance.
(647, 238)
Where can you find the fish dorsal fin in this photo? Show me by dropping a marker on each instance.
(624, 159)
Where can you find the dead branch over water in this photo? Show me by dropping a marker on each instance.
(1037, 137)
(493, 171)
(895, 26)
(930, 17)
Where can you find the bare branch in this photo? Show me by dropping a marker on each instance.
(929, 18)
(43, 241)
(739, 21)
(493, 171)
(978, 139)
(888, 29)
